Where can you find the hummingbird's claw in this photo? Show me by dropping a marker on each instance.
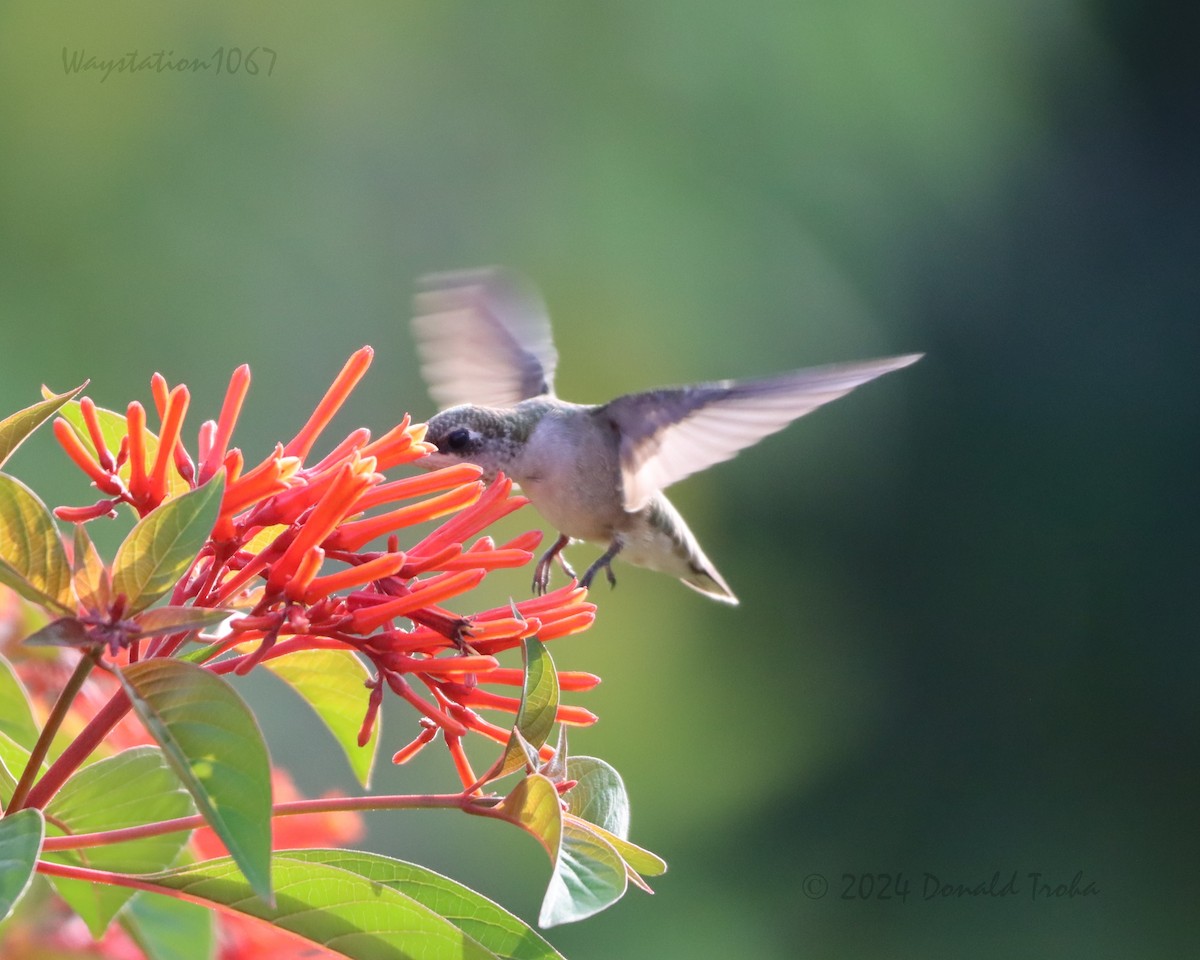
(604, 563)
(541, 573)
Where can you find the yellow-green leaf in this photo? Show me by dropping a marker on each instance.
(638, 859)
(163, 545)
(478, 917)
(339, 909)
(332, 683)
(32, 559)
(16, 714)
(539, 705)
(15, 758)
(90, 577)
(15, 428)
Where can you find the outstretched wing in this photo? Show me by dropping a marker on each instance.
(669, 434)
(484, 338)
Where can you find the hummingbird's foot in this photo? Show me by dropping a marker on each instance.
(605, 564)
(541, 573)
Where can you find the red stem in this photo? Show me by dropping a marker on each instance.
(428, 801)
(80, 749)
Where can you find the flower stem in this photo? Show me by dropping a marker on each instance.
(427, 801)
(46, 737)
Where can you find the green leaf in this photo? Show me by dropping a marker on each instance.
(160, 620)
(555, 769)
(16, 714)
(32, 559)
(170, 929)
(14, 429)
(336, 908)
(15, 758)
(592, 866)
(20, 841)
(90, 577)
(134, 787)
(475, 915)
(637, 859)
(332, 683)
(535, 717)
(589, 875)
(113, 427)
(599, 803)
(163, 545)
(599, 796)
(63, 632)
(539, 693)
(8, 784)
(211, 739)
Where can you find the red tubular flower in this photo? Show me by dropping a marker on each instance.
(272, 476)
(135, 424)
(102, 508)
(490, 507)
(235, 395)
(103, 457)
(427, 592)
(306, 571)
(291, 549)
(176, 407)
(410, 750)
(103, 479)
(358, 576)
(352, 479)
(570, 680)
(352, 536)
(401, 444)
(351, 373)
(419, 485)
(474, 697)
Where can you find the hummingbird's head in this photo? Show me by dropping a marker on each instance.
(468, 434)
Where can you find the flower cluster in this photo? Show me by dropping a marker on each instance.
(309, 556)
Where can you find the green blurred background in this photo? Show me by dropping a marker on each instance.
(963, 645)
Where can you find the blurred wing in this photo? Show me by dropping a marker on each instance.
(483, 338)
(667, 435)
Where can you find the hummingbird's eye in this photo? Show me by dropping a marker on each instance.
(458, 440)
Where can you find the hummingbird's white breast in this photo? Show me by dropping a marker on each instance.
(570, 469)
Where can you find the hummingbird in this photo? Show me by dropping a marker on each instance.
(594, 471)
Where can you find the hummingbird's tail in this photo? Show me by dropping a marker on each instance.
(711, 584)
(683, 557)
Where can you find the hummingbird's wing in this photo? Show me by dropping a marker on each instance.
(669, 434)
(484, 338)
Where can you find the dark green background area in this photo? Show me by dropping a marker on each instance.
(965, 644)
